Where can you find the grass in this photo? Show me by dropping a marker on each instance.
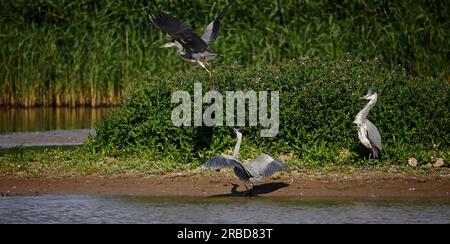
(139, 139)
(73, 53)
(318, 102)
(63, 162)
(57, 162)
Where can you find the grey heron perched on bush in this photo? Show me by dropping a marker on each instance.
(189, 45)
(262, 166)
(368, 133)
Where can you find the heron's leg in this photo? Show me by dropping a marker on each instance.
(246, 188)
(203, 66)
(234, 189)
(370, 153)
(250, 192)
(209, 73)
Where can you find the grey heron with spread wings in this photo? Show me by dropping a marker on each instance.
(368, 133)
(262, 166)
(190, 46)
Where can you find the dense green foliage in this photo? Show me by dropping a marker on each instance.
(318, 102)
(86, 52)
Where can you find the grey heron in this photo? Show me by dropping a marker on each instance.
(190, 46)
(368, 133)
(262, 166)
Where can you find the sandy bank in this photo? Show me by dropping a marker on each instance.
(338, 185)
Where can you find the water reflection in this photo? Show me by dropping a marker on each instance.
(45, 138)
(45, 119)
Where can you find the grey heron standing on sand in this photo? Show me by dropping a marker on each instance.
(262, 166)
(189, 45)
(368, 133)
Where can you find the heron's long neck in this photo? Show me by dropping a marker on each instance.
(179, 48)
(237, 147)
(362, 115)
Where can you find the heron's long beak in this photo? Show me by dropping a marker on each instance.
(366, 97)
(169, 44)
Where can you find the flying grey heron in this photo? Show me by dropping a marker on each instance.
(368, 133)
(189, 45)
(262, 166)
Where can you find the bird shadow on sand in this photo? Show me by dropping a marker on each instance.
(256, 191)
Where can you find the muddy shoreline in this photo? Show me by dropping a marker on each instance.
(338, 185)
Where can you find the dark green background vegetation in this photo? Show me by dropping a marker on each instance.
(86, 52)
(318, 102)
(321, 55)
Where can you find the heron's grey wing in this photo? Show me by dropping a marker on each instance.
(211, 32)
(373, 134)
(264, 165)
(179, 31)
(222, 161)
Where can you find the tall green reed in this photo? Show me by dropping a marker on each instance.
(87, 52)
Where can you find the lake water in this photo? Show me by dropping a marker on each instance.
(31, 127)
(47, 119)
(126, 209)
(71, 126)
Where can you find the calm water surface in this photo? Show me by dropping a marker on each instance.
(47, 119)
(37, 127)
(126, 209)
(64, 126)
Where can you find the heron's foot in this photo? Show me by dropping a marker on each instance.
(249, 193)
(234, 190)
(202, 64)
(234, 185)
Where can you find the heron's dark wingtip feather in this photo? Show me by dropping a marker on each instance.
(277, 162)
(225, 10)
(154, 18)
(206, 165)
(151, 17)
(376, 152)
(283, 165)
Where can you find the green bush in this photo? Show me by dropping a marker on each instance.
(318, 102)
(85, 52)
